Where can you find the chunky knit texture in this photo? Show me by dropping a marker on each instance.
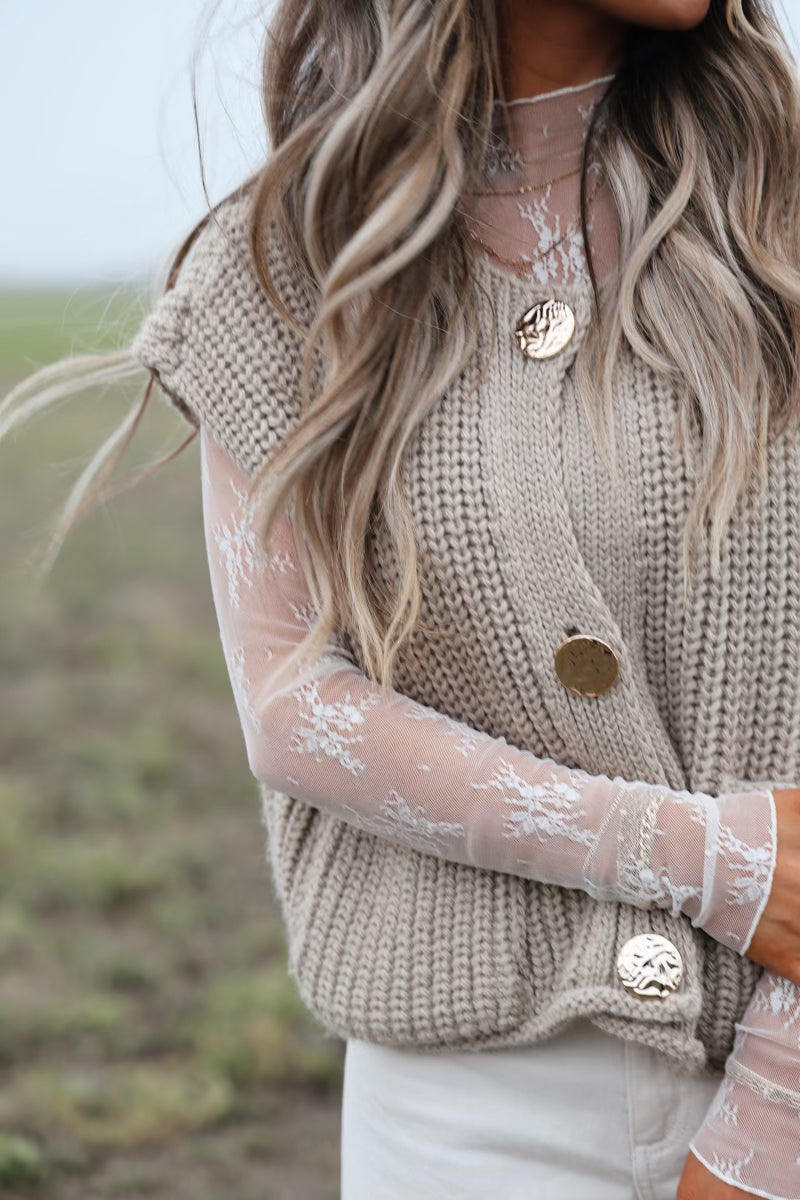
(525, 540)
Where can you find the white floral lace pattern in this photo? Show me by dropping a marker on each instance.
(544, 810)
(409, 826)
(236, 541)
(751, 1133)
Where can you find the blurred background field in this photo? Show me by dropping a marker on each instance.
(151, 1042)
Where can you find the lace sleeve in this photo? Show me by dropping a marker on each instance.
(407, 772)
(751, 1133)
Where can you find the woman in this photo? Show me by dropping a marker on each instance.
(507, 322)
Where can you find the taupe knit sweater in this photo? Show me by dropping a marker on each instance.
(392, 945)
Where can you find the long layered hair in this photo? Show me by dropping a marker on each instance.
(380, 117)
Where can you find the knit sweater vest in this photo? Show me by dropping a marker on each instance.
(524, 540)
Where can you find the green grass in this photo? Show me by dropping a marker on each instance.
(151, 1041)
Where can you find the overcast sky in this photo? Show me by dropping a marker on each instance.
(98, 140)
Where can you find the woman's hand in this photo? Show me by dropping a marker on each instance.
(776, 941)
(697, 1183)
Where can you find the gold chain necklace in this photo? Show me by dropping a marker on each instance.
(531, 187)
(527, 263)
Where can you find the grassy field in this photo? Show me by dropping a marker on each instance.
(151, 1044)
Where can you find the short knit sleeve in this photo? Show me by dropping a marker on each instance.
(223, 354)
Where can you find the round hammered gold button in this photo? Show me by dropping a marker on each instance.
(650, 965)
(545, 329)
(587, 665)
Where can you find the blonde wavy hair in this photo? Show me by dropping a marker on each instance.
(379, 114)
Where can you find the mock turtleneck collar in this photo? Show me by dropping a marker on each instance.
(550, 126)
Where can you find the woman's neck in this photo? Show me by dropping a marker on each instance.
(547, 46)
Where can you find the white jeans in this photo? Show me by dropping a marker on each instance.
(580, 1116)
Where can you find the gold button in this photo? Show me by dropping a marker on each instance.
(544, 330)
(586, 665)
(650, 965)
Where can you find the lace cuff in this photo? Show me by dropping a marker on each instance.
(708, 858)
(751, 1134)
